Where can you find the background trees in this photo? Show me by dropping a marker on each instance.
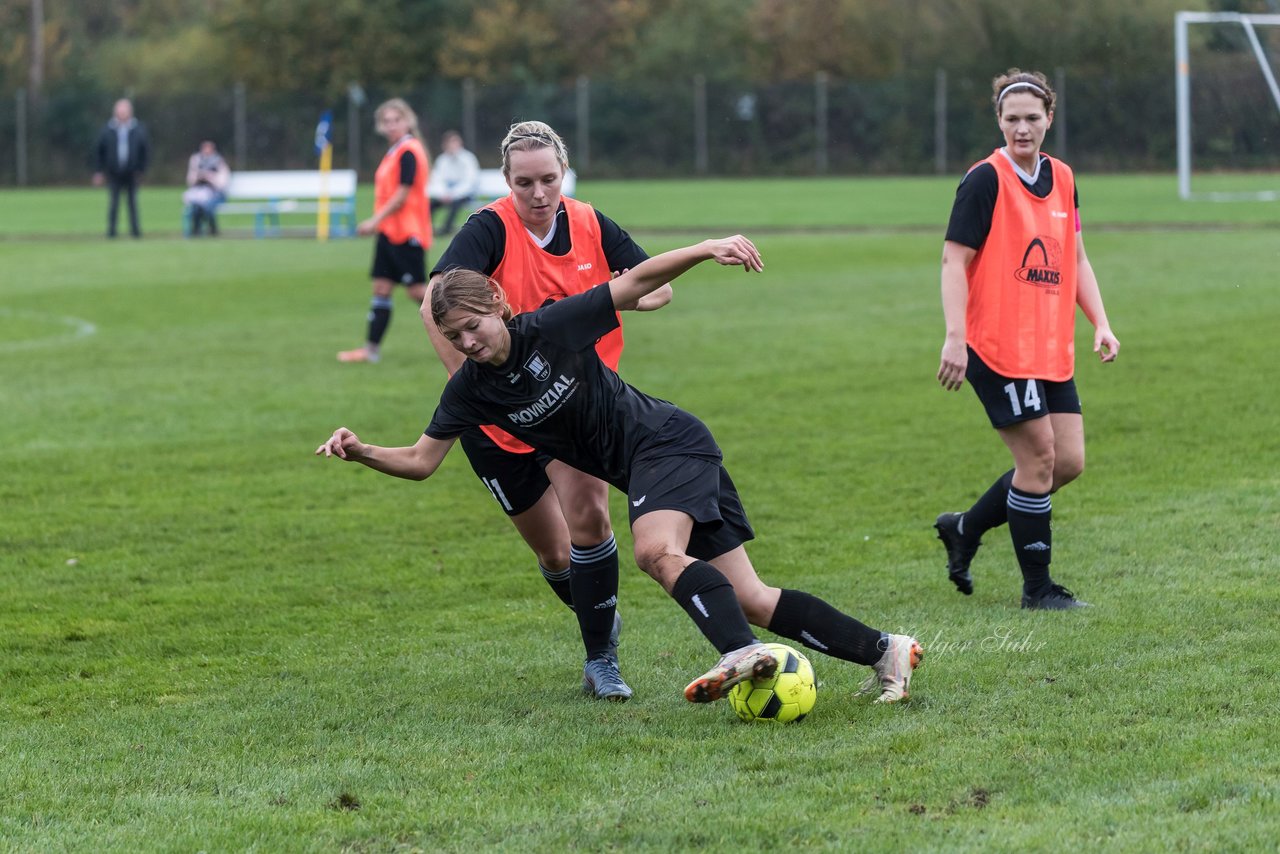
(295, 45)
(758, 60)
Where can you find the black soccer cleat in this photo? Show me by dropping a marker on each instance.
(1056, 598)
(959, 552)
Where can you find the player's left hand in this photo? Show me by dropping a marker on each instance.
(367, 227)
(1106, 344)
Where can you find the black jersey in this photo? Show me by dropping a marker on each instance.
(481, 242)
(975, 202)
(554, 393)
(408, 168)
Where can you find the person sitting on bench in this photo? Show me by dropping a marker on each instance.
(207, 177)
(454, 178)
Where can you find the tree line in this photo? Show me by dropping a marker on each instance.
(71, 58)
(321, 46)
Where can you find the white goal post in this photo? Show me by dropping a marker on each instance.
(1182, 70)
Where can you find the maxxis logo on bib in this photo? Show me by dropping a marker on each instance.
(1041, 263)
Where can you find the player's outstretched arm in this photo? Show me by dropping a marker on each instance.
(415, 462)
(649, 302)
(653, 273)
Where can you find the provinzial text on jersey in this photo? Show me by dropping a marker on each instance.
(548, 403)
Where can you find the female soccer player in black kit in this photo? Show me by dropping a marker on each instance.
(538, 375)
(540, 245)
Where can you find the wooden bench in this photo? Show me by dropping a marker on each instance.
(267, 195)
(493, 186)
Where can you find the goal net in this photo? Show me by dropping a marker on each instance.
(1228, 105)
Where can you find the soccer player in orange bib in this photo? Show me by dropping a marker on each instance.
(401, 219)
(542, 246)
(1014, 269)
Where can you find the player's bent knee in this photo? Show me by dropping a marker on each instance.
(555, 561)
(1037, 462)
(589, 525)
(649, 560)
(660, 563)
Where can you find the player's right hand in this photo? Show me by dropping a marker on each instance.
(736, 250)
(341, 444)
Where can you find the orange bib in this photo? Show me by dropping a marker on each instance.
(531, 276)
(414, 217)
(1020, 316)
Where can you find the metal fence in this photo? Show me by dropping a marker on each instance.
(919, 124)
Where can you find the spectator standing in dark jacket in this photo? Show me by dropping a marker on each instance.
(121, 157)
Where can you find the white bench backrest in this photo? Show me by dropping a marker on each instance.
(493, 186)
(291, 184)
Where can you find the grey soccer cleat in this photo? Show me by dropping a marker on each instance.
(613, 635)
(602, 679)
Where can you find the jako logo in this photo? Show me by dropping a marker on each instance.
(1041, 263)
(582, 268)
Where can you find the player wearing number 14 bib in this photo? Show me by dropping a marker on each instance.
(1013, 271)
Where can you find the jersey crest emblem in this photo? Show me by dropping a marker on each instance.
(538, 367)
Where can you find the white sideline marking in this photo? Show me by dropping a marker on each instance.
(77, 328)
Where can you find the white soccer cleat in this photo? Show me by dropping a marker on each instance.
(755, 661)
(360, 354)
(892, 677)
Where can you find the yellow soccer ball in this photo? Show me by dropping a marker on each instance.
(787, 696)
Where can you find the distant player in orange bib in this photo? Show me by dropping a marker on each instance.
(401, 219)
(1013, 271)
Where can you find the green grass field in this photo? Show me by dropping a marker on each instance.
(211, 640)
(805, 205)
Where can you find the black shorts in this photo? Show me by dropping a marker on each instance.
(696, 486)
(517, 481)
(1010, 401)
(404, 263)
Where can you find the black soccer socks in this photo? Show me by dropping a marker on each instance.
(559, 584)
(1030, 515)
(989, 511)
(593, 581)
(809, 620)
(708, 597)
(379, 319)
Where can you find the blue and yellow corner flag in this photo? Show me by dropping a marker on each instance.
(324, 148)
(324, 132)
